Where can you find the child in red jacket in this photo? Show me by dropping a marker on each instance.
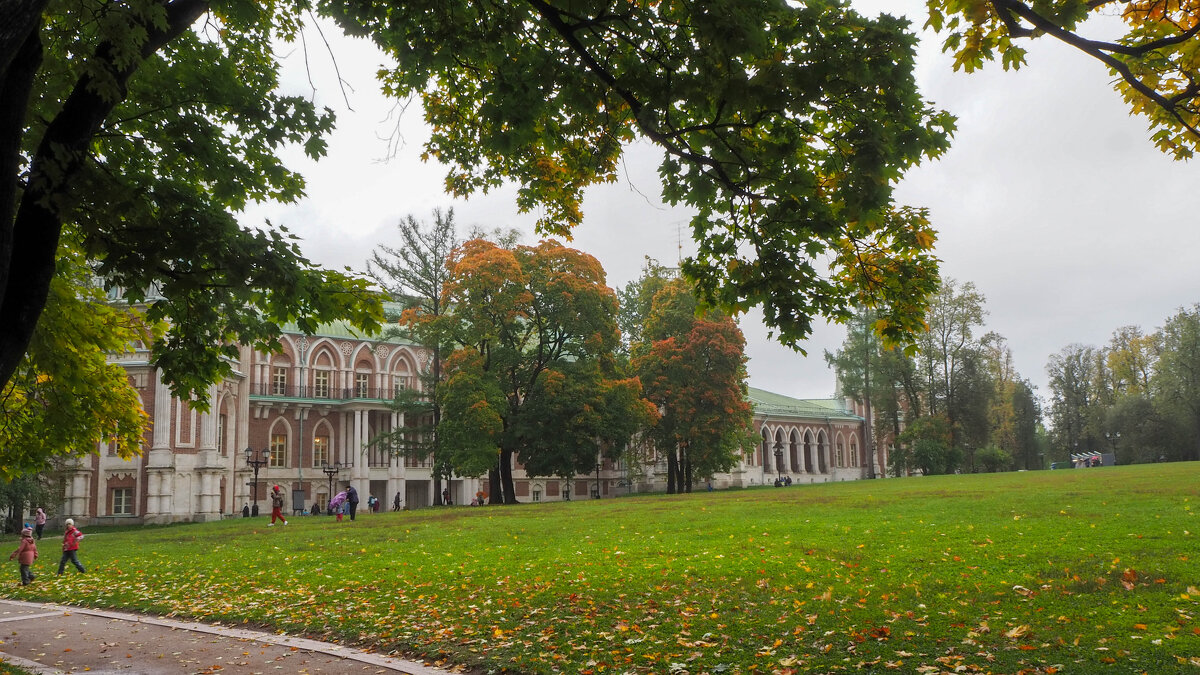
(71, 548)
(25, 554)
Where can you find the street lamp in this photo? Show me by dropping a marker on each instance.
(330, 471)
(1113, 437)
(257, 464)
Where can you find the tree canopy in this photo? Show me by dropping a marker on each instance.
(533, 373)
(1152, 56)
(694, 370)
(784, 126)
(136, 130)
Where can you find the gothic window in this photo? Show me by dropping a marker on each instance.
(279, 445)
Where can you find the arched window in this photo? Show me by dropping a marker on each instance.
(320, 451)
(279, 447)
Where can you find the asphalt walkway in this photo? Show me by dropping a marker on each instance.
(52, 639)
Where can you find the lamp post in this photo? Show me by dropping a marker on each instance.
(330, 471)
(256, 464)
(1113, 437)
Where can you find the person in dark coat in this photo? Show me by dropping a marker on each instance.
(352, 500)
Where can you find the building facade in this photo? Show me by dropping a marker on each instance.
(306, 416)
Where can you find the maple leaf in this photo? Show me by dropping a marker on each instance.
(1017, 632)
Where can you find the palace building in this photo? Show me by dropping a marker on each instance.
(307, 414)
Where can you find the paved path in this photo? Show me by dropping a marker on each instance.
(54, 639)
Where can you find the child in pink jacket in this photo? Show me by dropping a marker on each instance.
(25, 554)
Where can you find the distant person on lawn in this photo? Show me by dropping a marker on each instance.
(39, 522)
(71, 548)
(352, 500)
(25, 554)
(276, 506)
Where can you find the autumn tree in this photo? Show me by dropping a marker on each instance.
(414, 274)
(785, 126)
(1134, 397)
(1152, 60)
(694, 370)
(532, 373)
(142, 126)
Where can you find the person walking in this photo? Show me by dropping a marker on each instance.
(39, 522)
(25, 554)
(396, 502)
(352, 500)
(276, 506)
(70, 548)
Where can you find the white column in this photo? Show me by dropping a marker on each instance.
(162, 414)
(79, 494)
(153, 481)
(208, 422)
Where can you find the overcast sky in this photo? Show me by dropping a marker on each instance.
(1052, 200)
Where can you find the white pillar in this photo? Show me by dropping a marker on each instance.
(162, 414)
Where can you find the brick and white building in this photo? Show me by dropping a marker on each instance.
(317, 403)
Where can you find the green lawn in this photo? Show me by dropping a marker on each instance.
(1076, 571)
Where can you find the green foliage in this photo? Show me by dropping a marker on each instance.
(66, 399)
(1152, 61)
(992, 459)
(414, 273)
(784, 126)
(574, 415)
(693, 369)
(534, 362)
(1177, 377)
(1095, 569)
(23, 494)
(474, 407)
(932, 451)
(138, 139)
(955, 374)
(636, 300)
(1136, 397)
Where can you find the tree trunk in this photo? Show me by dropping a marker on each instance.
(494, 496)
(686, 468)
(506, 480)
(437, 489)
(61, 153)
(671, 472)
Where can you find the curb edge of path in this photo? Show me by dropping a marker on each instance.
(283, 640)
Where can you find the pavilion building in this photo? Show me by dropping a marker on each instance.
(308, 412)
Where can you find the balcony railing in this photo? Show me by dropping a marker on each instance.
(327, 393)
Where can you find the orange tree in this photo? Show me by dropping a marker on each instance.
(694, 369)
(533, 372)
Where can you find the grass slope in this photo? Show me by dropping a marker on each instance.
(1082, 571)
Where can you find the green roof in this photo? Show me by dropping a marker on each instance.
(771, 404)
(343, 329)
